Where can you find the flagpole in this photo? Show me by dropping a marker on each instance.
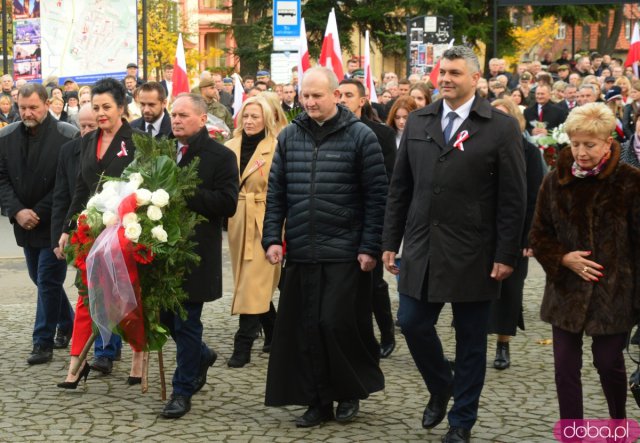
(144, 40)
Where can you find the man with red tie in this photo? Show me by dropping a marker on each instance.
(216, 198)
(543, 116)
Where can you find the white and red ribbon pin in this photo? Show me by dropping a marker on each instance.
(123, 150)
(259, 164)
(462, 137)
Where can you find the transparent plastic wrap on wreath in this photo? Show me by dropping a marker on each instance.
(217, 128)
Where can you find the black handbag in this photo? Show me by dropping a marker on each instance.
(634, 380)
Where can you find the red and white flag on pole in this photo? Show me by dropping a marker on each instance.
(331, 54)
(368, 74)
(238, 95)
(303, 54)
(180, 79)
(633, 57)
(433, 76)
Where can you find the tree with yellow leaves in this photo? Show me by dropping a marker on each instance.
(533, 40)
(163, 27)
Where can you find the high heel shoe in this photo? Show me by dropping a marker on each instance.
(134, 380)
(74, 384)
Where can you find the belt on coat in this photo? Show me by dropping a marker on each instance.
(250, 219)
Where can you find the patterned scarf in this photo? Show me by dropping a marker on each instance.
(578, 172)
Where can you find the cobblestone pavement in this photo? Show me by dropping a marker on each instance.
(517, 405)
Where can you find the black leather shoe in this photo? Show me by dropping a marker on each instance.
(387, 347)
(502, 360)
(436, 409)
(40, 354)
(205, 363)
(457, 435)
(347, 410)
(177, 406)
(102, 365)
(315, 415)
(62, 339)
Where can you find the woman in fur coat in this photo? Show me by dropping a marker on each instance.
(586, 236)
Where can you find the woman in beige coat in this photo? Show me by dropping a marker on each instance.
(255, 279)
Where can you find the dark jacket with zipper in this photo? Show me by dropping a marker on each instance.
(28, 172)
(329, 183)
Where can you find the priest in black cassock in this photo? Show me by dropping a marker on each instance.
(328, 182)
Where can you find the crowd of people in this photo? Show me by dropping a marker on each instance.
(444, 186)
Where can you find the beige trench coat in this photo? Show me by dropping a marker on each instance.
(255, 279)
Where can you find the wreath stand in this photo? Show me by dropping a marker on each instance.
(145, 366)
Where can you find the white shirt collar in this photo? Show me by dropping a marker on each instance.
(462, 111)
(155, 124)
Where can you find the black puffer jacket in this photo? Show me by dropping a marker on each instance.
(332, 193)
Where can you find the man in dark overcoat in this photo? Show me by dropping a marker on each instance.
(458, 197)
(216, 198)
(328, 182)
(29, 152)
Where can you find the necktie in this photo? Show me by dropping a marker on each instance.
(448, 129)
(182, 151)
(540, 114)
(149, 129)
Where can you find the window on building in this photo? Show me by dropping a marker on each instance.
(628, 28)
(212, 4)
(586, 37)
(562, 31)
(217, 40)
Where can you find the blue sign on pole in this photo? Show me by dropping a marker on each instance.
(286, 18)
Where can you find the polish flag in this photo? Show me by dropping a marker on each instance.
(368, 75)
(433, 76)
(331, 54)
(633, 57)
(238, 96)
(180, 79)
(303, 54)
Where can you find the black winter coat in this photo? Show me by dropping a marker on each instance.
(68, 164)
(216, 197)
(459, 211)
(27, 179)
(332, 194)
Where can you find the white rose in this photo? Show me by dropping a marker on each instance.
(159, 234)
(92, 202)
(109, 218)
(133, 231)
(160, 198)
(129, 218)
(111, 186)
(135, 180)
(154, 213)
(112, 203)
(143, 196)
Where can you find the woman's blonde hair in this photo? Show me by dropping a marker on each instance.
(56, 99)
(84, 90)
(594, 119)
(279, 116)
(5, 98)
(512, 110)
(267, 116)
(623, 81)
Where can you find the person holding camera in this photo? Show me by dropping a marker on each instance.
(586, 236)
